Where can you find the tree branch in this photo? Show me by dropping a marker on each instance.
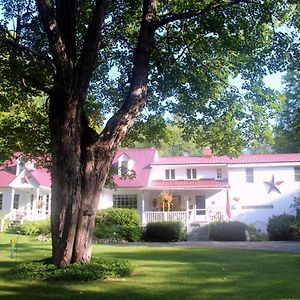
(91, 44)
(26, 49)
(52, 30)
(66, 18)
(118, 126)
(172, 17)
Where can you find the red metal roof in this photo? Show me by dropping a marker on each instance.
(42, 176)
(181, 184)
(6, 178)
(243, 159)
(142, 159)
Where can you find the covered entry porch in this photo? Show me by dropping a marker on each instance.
(200, 204)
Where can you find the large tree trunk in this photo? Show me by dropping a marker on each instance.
(81, 158)
(79, 172)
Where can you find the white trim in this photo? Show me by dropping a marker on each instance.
(180, 189)
(262, 165)
(189, 164)
(230, 165)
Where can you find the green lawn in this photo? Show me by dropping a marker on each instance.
(164, 273)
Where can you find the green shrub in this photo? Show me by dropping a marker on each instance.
(296, 230)
(165, 232)
(103, 231)
(118, 232)
(256, 235)
(6, 221)
(118, 224)
(118, 216)
(98, 268)
(131, 233)
(32, 228)
(228, 231)
(282, 228)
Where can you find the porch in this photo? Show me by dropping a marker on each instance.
(187, 217)
(189, 207)
(22, 204)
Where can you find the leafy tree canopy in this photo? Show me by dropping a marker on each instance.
(191, 63)
(287, 130)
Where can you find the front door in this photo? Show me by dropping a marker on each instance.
(200, 213)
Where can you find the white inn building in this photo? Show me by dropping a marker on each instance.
(248, 188)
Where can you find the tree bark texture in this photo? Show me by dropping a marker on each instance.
(81, 158)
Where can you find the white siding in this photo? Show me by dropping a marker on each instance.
(158, 172)
(255, 203)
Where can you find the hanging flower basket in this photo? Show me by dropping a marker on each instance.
(40, 204)
(165, 201)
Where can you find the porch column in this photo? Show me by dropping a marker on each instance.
(143, 209)
(187, 213)
(35, 208)
(12, 211)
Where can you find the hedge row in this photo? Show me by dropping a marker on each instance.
(283, 228)
(165, 232)
(228, 231)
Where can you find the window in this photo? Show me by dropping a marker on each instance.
(297, 173)
(16, 201)
(125, 201)
(47, 204)
(31, 203)
(176, 200)
(124, 167)
(1, 201)
(249, 175)
(219, 173)
(170, 174)
(191, 173)
(40, 204)
(257, 207)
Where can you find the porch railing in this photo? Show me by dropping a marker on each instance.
(210, 214)
(159, 216)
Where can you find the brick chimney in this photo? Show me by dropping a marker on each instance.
(207, 152)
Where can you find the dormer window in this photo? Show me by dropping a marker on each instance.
(170, 174)
(125, 164)
(21, 165)
(124, 167)
(191, 173)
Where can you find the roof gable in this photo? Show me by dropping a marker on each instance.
(24, 180)
(42, 176)
(142, 159)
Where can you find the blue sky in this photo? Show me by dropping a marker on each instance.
(274, 81)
